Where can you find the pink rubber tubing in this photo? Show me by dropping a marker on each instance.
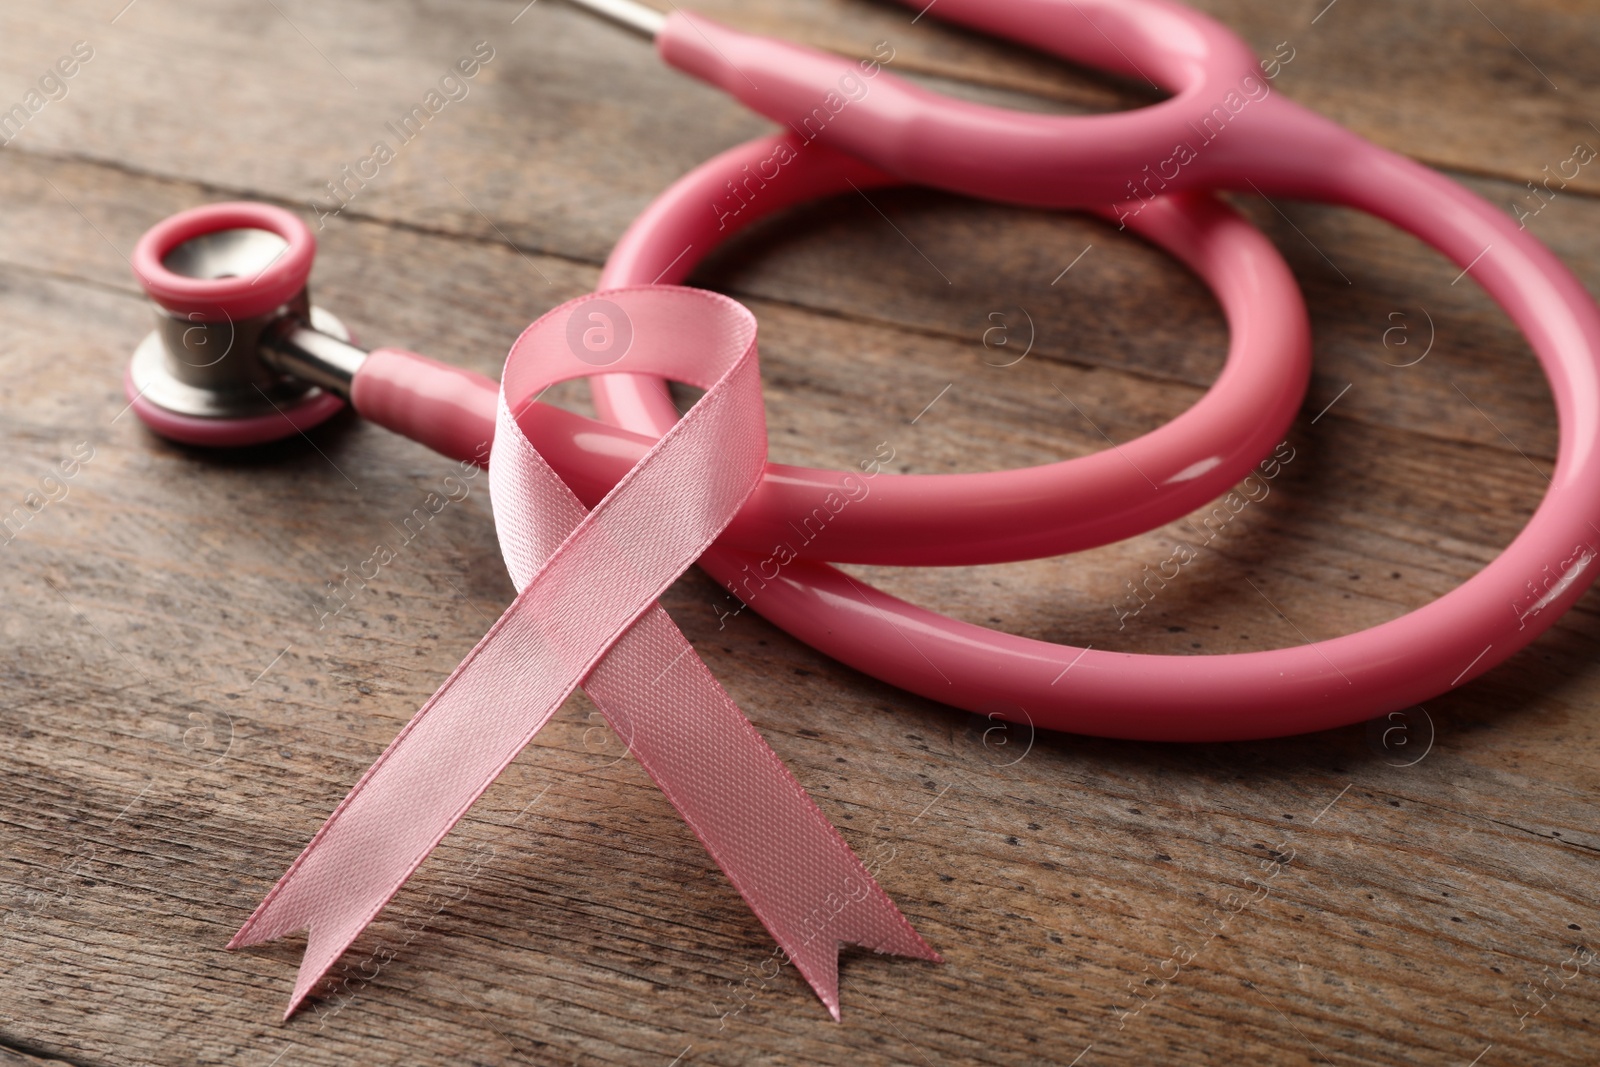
(1236, 129)
(1153, 697)
(1262, 142)
(1437, 647)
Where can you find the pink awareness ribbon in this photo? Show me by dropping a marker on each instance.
(586, 613)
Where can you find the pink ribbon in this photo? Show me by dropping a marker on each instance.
(586, 613)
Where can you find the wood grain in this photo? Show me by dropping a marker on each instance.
(176, 723)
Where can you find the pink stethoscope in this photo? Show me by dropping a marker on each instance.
(231, 278)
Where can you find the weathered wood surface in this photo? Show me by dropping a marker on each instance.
(176, 724)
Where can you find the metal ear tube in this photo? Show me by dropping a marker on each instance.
(315, 350)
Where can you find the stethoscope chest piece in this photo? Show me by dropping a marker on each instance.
(212, 370)
(229, 283)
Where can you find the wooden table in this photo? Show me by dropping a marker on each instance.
(176, 723)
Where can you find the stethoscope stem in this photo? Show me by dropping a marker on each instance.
(300, 351)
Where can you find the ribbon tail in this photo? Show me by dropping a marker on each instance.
(411, 797)
(804, 883)
(347, 874)
(871, 922)
(328, 937)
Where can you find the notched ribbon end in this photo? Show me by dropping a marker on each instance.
(326, 941)
(904, 941)
(824, 979)
(881, 928)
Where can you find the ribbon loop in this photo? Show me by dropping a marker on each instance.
(586, 613)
